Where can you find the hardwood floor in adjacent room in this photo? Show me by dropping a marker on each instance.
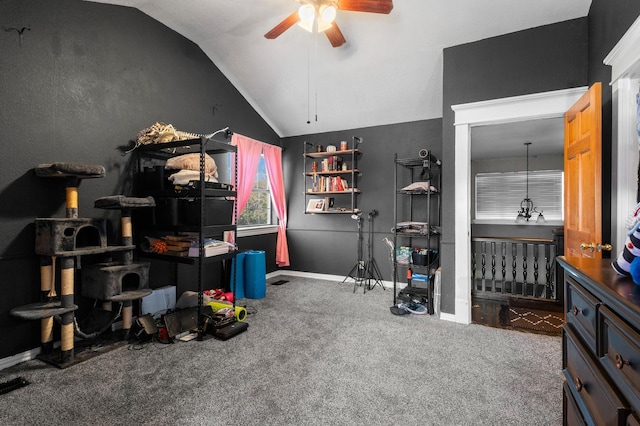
(523, 315)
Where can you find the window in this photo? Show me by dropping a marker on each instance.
(258, 209)
(498, 195)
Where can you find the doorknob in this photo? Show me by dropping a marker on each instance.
(596, 246)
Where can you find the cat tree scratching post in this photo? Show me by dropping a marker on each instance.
(110, 282)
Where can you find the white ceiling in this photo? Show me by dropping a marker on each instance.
(389, 71)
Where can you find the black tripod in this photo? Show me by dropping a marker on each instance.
(370, 266)
(357, 273)
(364, 271)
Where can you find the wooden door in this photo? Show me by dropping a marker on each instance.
(583, 175)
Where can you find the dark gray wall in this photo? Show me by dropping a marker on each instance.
(85, 80)
(328, 243)
(541, 59)
(608, 21)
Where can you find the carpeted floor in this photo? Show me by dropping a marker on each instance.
(315, 354)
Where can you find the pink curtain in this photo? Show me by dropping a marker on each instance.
(273, 162)
(248, 157)
(249, 151)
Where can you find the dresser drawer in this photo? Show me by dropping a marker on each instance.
(598, 401)
(580, 312)
(620, 355)
(572, 416)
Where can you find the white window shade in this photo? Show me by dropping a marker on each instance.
(498, 195)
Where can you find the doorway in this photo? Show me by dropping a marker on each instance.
(520, 108)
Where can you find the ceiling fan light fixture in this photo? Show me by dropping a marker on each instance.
(327, 14)
(307, 25)
(307, 14)
(324, 26)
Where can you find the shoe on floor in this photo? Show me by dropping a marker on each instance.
(414, 308)
(397, 310)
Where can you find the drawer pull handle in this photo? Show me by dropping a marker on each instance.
(621, 362)
(578, 383)
(575, 310)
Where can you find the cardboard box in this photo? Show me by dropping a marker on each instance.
(159, 301)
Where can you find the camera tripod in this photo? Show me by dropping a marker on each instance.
(365, 271)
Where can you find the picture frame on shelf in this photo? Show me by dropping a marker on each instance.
(315, 205)
(328, 203)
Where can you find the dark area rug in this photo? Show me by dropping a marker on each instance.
(536, 320)
(528, 316)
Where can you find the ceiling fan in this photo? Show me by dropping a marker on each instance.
(319, 15)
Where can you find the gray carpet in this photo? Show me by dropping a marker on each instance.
(315, 354)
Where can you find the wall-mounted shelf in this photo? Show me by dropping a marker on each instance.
(331, 179)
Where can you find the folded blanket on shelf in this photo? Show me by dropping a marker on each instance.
(183, 177)
(419, 187)
(192, 162)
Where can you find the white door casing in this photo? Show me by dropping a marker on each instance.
(513, 109)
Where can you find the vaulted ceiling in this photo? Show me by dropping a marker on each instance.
(389, 70)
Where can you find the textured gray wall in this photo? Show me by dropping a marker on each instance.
(85, 80)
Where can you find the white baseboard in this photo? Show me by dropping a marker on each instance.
(327, 277)
(448, 317)
(17, 359)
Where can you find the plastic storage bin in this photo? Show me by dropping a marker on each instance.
(219, 211)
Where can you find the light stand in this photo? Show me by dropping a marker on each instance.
(357, 273)
(371, 267)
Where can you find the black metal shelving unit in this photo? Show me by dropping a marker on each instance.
(202, 146)
(422, 207)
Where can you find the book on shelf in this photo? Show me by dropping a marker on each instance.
(335, 163)
(329, 184)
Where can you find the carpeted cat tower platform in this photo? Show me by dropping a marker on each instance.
(65, 240)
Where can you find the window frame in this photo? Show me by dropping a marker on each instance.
(520, 175)
(263, 228)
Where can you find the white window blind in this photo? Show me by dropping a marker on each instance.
(498, 195)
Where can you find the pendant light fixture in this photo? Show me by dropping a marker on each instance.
(527, 209)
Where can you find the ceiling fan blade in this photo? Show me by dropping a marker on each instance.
(371, 6)
(283, 26)
(335, 35)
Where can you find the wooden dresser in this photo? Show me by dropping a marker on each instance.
(600, 344)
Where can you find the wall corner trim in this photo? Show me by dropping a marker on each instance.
(625, 55)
